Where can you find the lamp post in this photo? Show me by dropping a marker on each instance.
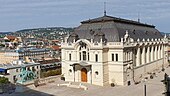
(144, 86)
(145, 89)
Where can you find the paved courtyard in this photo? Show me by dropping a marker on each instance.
(154, 88)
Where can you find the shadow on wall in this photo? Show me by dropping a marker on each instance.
(20, 90)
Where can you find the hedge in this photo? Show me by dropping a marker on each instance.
(51, 73)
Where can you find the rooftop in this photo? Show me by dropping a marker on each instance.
(112, 29)
(17, 63)
(10, 37)
(106, 18)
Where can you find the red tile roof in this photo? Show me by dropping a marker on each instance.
(10, 37)
(55, 41)
(54, 47)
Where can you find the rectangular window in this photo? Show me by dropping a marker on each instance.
(80, 55)
(116, 57)
(88, 57)
(33, 69)
(112, 57)
(70, 57)
(96, 57)
(84, 55)
(14, 78)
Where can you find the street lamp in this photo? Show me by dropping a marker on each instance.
(144, 81)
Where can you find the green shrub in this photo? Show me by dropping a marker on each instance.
(2, 45)
(4, 80)
(51, 73)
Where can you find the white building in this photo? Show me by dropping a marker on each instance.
(23, 52)
(109, 50)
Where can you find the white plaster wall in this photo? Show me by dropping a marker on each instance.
(115, 67)
(115, 73)
(12, 72)
(97, 79)
(65, 71)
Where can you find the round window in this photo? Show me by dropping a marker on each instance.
(96, 72)
(70, 70)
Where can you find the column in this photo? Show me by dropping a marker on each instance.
(158, 51)
(155, 53)
(152, 48)
(163, 53)
(124, 55)
(161, 50)
(143, 55)
(138, 57)
(148, 55)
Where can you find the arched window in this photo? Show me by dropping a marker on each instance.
(83, 51)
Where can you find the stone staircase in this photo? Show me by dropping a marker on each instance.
(74, 85)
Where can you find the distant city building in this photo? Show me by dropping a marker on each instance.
(23, 52)
(108, 50)
(10, 38)
(55, 51)
(49, 64)
(12, 70)
(9, 55)
(13, 39)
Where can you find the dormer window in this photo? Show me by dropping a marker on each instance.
(92, 31)
(134, 31)
(82, 44)
(146, 32)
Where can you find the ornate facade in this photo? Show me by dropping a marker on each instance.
(109, 50)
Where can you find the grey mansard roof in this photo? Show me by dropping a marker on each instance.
(112, 29)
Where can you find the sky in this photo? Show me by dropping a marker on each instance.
(22, 14)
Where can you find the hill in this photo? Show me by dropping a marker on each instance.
(46, 33)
